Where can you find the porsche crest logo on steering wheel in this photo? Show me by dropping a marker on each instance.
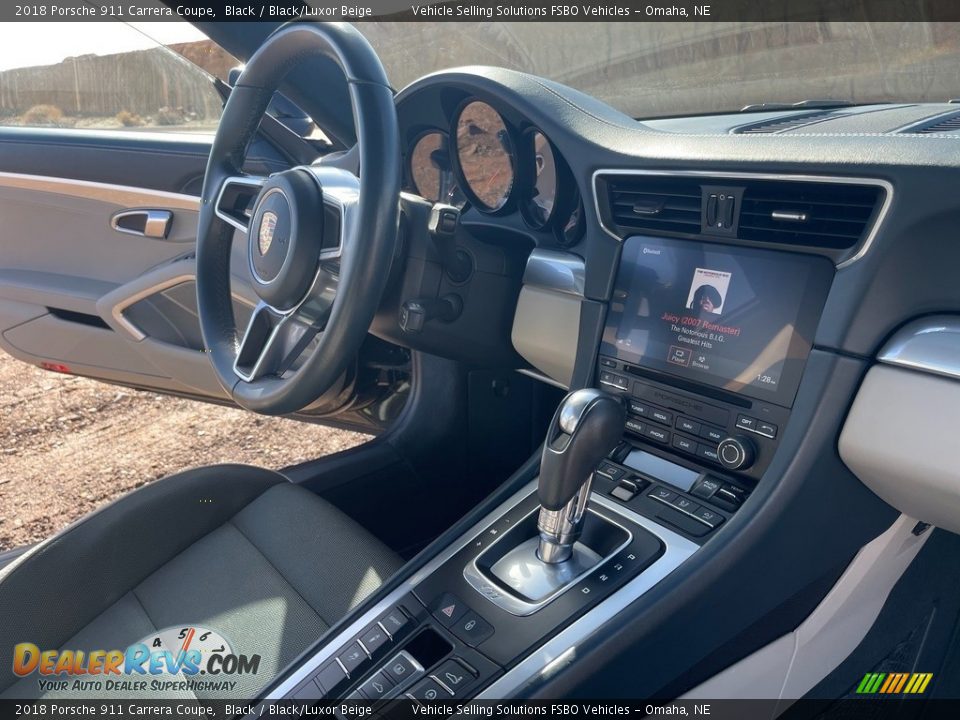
(268, 223)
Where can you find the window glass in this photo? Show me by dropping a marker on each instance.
(110, 76)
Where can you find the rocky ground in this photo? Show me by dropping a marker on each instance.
(69, 445)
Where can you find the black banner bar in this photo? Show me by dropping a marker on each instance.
(619, 11)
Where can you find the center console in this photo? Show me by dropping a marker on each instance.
(700, 361)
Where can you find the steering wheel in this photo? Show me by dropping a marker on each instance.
(320, 240)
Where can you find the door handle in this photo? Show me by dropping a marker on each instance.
(147, 223)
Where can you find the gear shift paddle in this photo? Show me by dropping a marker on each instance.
(585, 429)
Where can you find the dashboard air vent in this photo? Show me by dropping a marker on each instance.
(654, 204)
(829, 215)
(784, 124)
(943, 124)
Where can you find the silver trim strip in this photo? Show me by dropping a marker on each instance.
(543, 378)
(864, 247)
(541, 662)
(121, 195)
(560, 272)
(930, 344)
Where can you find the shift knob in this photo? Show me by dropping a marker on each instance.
(587, 426)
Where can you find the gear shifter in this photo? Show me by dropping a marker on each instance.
(585, 429)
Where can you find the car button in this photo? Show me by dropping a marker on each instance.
(685, 444)
(472, 629)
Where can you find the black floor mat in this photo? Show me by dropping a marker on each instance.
(916, 632)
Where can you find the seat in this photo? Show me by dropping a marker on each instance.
(237, 550)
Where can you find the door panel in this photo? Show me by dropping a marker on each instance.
(82, 296)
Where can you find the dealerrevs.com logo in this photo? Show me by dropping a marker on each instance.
(179, 658)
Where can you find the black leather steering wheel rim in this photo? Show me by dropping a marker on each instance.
(368, 242)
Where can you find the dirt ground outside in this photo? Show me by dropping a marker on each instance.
(69, 445)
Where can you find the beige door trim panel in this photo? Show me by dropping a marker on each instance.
(120, 195)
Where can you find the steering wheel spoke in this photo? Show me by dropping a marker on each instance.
(272, 343)
(234, 204)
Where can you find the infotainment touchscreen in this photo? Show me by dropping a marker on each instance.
(737, 318)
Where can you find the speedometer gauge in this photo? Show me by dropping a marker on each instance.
(485, 156)
(431, 170)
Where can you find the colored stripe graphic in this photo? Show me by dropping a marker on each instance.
(894, 683)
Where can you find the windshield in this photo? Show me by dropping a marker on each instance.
(664, 69)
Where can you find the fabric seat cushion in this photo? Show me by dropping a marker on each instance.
(271, 578)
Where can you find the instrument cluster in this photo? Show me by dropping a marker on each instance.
(482, 161)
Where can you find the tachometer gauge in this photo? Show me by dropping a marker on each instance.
(432, 171)
(485, 156)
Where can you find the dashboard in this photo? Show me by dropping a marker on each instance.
(691, 265)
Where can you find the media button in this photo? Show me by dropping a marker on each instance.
(661, 416)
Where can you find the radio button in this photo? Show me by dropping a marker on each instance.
(712, 433)
(658, 434)
(661, 416)
(688, 425)
(685, 444)
(639, 408)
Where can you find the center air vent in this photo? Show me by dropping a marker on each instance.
(942, 124)
(830, 217)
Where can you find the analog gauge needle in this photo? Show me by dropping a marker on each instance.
(187, 640)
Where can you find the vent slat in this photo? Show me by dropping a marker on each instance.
(783, 124)
(943, 124)
(835, 216)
